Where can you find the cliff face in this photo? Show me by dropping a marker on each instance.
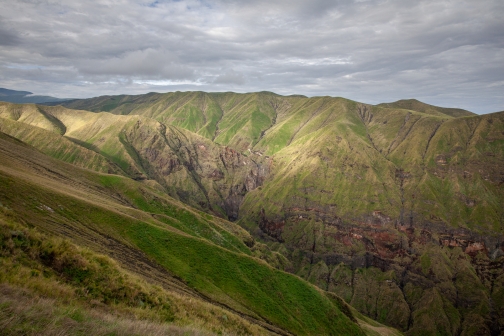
(393, 274)
(397, 211)
(198, 172)
(407, 226)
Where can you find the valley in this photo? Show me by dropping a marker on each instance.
(393, 211)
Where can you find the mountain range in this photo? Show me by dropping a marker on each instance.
(20, 97)
(292, 214)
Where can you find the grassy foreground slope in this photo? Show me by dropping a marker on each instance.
(105, 212)
(51, 286)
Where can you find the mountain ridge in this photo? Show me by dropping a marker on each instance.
(416, 105)
(356, 198)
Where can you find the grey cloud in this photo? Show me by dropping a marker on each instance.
(230, 77)
(141, 63)
(8, 37)
(440, 51)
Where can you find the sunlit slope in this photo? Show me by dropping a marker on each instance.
(329, 167)
(236, 120)
(346, 160)
(28, 124)
(450, 168)
(188, 167)
(415, 105)
(363, 200)
(89, 207)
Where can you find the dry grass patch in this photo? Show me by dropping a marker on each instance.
(49, 286)
(23, 313)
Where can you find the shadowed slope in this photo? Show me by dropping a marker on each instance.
(103, 211)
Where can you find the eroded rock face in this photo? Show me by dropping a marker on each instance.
(248, 173)
(271, 228)
(394, 273)
(197, 171)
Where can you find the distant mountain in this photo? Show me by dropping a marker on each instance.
(396, 208)
(24, 97)
(14, 93)
(416, 105)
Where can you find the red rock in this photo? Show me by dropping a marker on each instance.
(473, 248)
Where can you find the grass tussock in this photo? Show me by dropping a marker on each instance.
(50, 286)
(22, 313)
(93, 276)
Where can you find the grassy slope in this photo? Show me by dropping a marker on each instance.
(335, 160)
(465, 161)
(452, 167)
(415, 105)
(38, 126)
(358, 158)
(183, 163)
(328, 164)
(55, 204)
(226, 115)
(51, 286)
(228, 118)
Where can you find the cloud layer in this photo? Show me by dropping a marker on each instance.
(449, 53)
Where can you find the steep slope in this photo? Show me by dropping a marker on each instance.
(229, 119)
(52, 286)
(162, 240)
(365, 200)
(397, 206)
(224, 116)
(57, 146)
(187, 166)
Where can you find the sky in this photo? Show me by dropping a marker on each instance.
(446, 53)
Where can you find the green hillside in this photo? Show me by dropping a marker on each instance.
(165, 242)
(188, 167)
(415, 105)
(229, 119)
(396, 208)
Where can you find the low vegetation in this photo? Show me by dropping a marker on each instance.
(166, 244)
(397, 207)
(51, 286)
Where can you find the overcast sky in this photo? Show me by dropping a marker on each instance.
(447, 53)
